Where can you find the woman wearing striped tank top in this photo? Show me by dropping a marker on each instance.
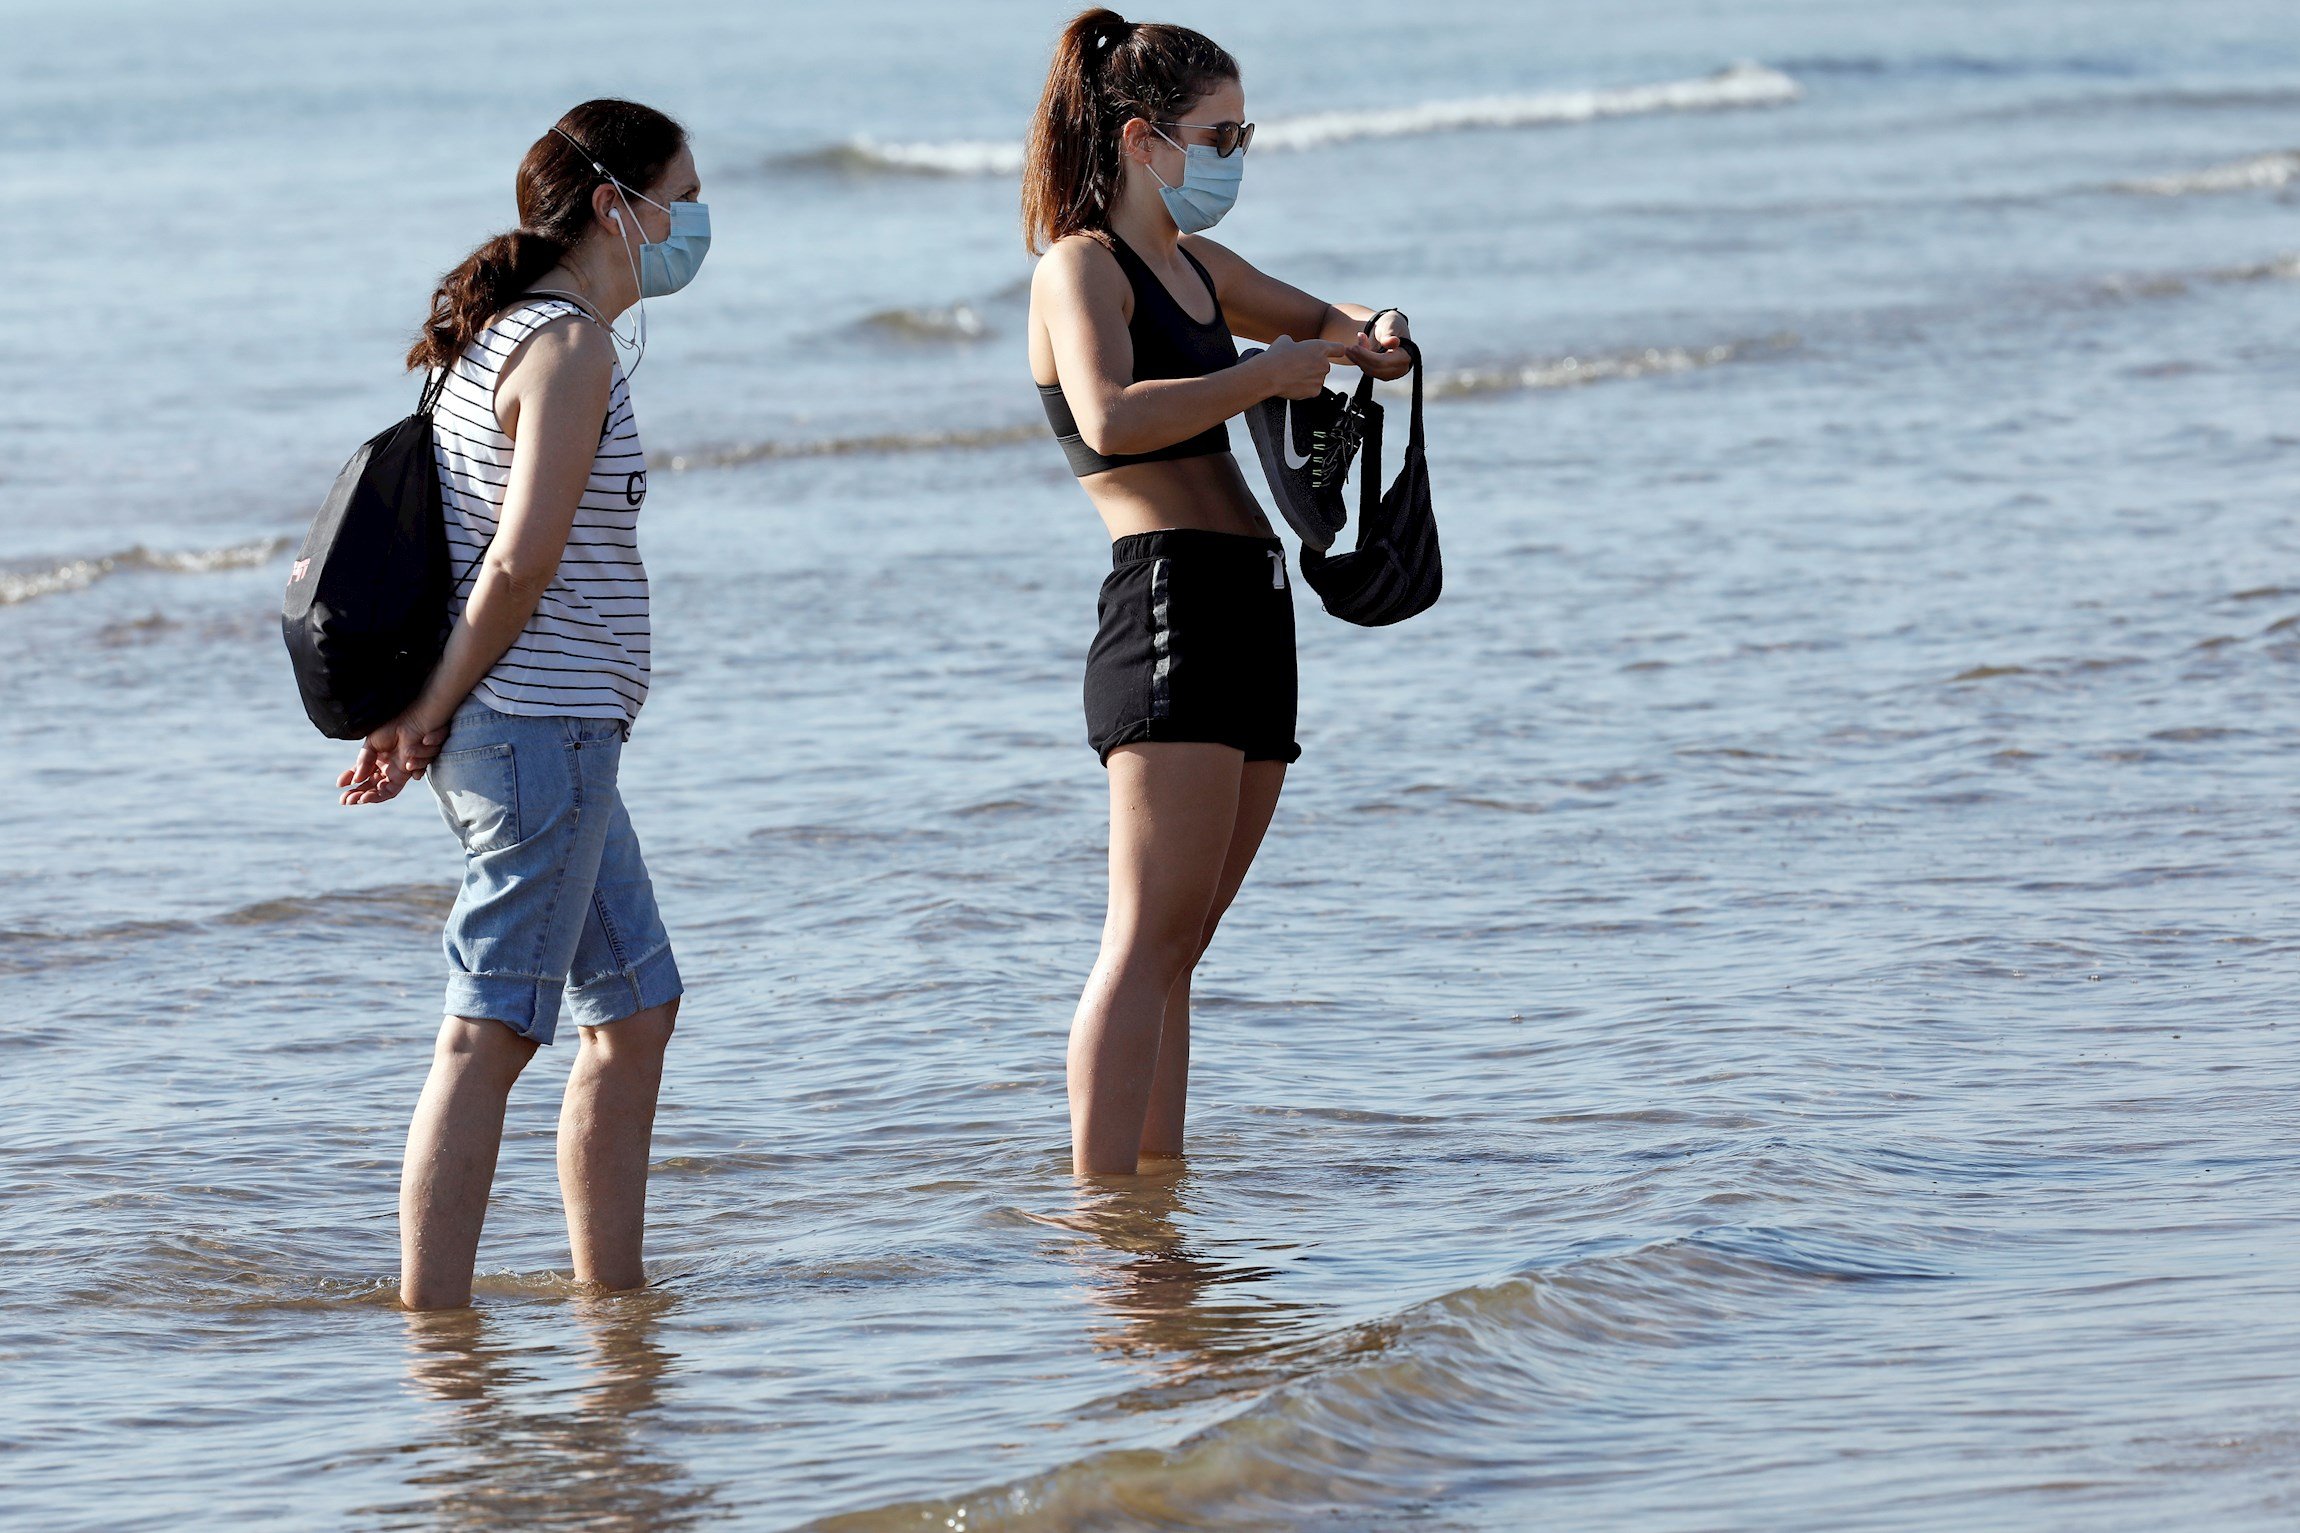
(521, 728)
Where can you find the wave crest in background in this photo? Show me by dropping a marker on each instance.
(24, 584)
(1741, 85)
(2262, 172)
(851, 446)
(928, 323)
(1737, 86)
(1604, 367)
(1504, 378)
(2283, 268)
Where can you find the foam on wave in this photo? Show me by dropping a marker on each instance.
(21, 585)
(1603, 367)
(2262, 172)
(2283, 268)
(1742, 85)
(849, 446)
(1737, 86)
(928, 322)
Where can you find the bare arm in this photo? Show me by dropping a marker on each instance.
(1080, 295)
(551, 398)
(1261, 307)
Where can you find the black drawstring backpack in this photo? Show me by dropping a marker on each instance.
(366, 612)
(1394, 572)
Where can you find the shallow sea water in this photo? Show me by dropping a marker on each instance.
(1769, 1008)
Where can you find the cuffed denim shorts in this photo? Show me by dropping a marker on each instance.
(555, 903)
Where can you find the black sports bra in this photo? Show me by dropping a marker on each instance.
(1168, 343)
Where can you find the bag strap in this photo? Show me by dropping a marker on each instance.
(1414, 431)
(1369, 467)
(1370, 440)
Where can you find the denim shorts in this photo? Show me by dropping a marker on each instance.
(555, 900)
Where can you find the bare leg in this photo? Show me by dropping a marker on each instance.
(451, 1150)
(1170, 1086)
(606, 1126)
(1173, 809)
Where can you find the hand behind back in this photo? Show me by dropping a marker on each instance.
(392, 757)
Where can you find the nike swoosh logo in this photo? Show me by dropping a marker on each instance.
(1286, 434)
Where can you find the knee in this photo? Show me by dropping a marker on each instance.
(639, 1037)
(1163, 953)
(477, 1049)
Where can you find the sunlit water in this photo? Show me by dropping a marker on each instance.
(1768, 1008)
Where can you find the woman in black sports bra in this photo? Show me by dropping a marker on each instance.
(1137, 145)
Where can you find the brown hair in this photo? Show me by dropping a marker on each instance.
(1106, 70)
(633, 143)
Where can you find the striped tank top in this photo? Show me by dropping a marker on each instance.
(584, 652)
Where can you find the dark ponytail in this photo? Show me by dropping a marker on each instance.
(634, 143)
(1106, 71)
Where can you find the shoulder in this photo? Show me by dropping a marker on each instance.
(565, 348)
(1080, 264)
(574, 339)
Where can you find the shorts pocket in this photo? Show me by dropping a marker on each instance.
(478, 793)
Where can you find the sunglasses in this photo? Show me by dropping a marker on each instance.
(1229, 137)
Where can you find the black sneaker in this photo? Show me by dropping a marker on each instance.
(1306, 447)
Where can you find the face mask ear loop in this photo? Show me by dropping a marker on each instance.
(1161, 180)
(637, 285)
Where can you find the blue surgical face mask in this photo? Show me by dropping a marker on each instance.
(666, 267)
(1209, 186)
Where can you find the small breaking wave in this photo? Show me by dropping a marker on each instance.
(928, 323)
(1737, 86)
(2262, 172)
(1573, 371)
(1742, 85)
(1464, 383)
(2128, 286)
(1369, 1421)
(25, 950)
(864, 155)
(25, 584)
(2283, 268)
(855, 446)
(1956, 65)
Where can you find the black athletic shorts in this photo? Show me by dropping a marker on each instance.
(1196, 643)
